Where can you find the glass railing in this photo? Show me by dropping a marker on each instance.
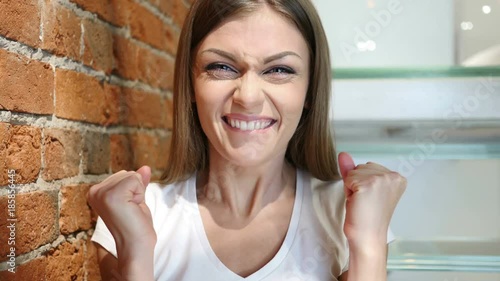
(472, 256)
(415, 72)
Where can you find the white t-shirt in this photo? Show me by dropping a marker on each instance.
(314, 249)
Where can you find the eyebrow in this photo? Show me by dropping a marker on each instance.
(266, 60)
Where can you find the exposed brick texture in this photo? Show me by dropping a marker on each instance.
(169, 110)
(121, 153)
(66, 262)
(21, 146)
(25, 85)
(155, 70)
(20, 21)
(34, 211)
(61, 30)
(82, 97)
(115, 12)
(62, 153)
(143, 109)
(175, 9)
(4, 139)
(85, 91)
(98, 46)
(126, 56)
(75, 213)
(96, 153)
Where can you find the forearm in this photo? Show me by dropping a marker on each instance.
(136, 262)
(368, 262)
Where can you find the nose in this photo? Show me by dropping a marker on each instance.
(249, 93)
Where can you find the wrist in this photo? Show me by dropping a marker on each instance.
(136, 261)
(367, 261)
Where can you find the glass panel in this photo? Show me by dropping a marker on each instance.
(423, 38)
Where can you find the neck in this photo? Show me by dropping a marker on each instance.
(244, 191)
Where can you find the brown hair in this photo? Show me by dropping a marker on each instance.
(311, 148)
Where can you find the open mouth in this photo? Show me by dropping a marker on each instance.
(249, 125)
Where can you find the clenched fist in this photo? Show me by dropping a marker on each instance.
(372, 193)
(119, 201)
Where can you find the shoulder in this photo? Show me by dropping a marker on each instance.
(328, 202)
(328, 194)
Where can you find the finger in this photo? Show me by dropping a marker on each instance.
(377, 166)
(346, 164)
(145, 172)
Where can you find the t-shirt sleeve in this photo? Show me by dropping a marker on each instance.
(103, 236)
(329, 203)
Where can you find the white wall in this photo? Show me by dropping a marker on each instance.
(406, 32)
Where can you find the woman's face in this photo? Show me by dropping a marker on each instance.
(250, 80)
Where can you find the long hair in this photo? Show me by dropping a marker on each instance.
(311, 148)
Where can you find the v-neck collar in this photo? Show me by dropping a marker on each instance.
(283, 251)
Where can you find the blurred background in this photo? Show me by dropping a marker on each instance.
(416, 88)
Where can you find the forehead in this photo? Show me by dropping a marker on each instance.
(258, 34)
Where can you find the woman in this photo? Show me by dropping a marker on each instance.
(252, 190)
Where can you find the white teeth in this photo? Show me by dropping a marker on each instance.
(248, 126)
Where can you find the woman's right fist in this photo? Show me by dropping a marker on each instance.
(120, 201)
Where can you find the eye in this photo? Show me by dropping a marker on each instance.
(221, 71)
(281, 70)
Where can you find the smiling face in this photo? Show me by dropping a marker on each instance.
(250, 81)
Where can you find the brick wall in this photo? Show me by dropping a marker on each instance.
(85, 91)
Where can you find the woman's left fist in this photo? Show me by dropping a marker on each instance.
(372, 193)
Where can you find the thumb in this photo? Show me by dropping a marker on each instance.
(346, 164)
(145, 172)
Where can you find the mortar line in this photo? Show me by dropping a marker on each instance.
(123, 31)
(43, 122)
(68, 64)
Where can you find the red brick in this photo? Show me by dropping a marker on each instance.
(121, 153)
(4, 141)
(157, 2)
(34, 270)
(75, 213)
(126, 56)
(116, 12)
(20, 21)
(175, 9)
(161, 159)
(171, 37)
(141, 109)
(145, 26)
(155, 70)
(36, 223)
(20, 152)
(98, 42)
(169, 113)
(25, 85)
(62, 153)
(66, 262)
(61, 30)
(145, 149)
(84, 98)
(92, 265)
(96, 153)
(149, 150)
